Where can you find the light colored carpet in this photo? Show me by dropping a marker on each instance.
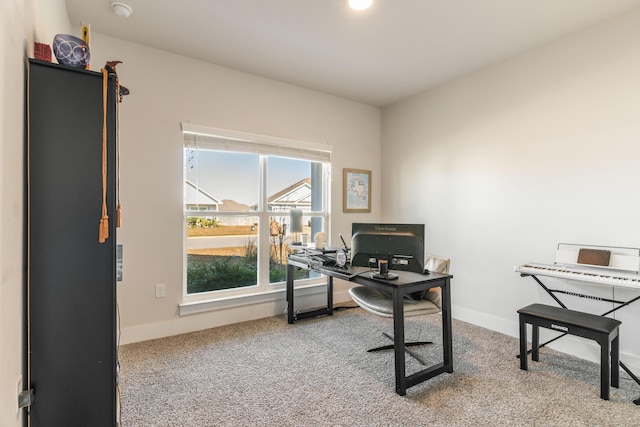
(317, 372)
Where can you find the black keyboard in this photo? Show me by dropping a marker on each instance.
(345, 271)
(313, 259)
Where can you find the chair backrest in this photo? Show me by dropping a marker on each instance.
(436, 264)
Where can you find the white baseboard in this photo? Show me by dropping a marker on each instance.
(230, 314)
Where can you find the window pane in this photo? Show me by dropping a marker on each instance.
(280, 241)
(290, 184)
(221, 181)
(297, 184)
(221, 253)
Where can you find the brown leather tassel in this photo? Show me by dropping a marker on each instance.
(104, 228)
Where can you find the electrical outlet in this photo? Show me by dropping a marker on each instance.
(161, 290)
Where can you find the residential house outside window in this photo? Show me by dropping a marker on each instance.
(239, 191)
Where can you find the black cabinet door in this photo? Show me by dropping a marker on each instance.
(71, 276)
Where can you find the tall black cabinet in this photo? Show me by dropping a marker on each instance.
(71, 278)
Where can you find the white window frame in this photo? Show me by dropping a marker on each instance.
(238, 141)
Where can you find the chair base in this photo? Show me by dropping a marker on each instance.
(406, 349)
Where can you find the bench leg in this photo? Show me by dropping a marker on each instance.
(605, 349)
(535, 343)
(523, 344)
(615, 362)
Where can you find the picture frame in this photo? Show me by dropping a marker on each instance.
(356, 191)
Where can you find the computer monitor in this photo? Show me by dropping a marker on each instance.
(402, 245)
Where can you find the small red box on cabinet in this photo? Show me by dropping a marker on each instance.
(42, 51)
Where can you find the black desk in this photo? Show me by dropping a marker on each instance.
(406, 283)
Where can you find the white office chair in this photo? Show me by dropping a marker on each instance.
(381, 304)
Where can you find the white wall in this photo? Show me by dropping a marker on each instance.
(168, 89)
(504, 164)
(21, 23)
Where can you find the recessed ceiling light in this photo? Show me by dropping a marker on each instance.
(359, 4)
(121, 9)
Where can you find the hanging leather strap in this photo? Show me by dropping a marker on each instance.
(118, 206)
(104, 221)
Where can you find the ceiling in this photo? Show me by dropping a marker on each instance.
(393, 50)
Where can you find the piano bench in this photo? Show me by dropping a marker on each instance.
(601, 329)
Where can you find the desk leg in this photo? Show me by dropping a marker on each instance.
(447, 332)
(398, 342)
(330, 295)
(290, 312)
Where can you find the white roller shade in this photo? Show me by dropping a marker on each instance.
(230, 140)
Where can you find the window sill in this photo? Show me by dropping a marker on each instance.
(187, 308)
